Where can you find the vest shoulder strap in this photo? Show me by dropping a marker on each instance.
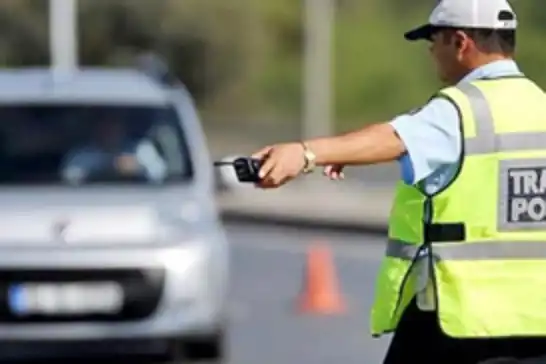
(462, 103)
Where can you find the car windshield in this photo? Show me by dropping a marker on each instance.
(83, 144)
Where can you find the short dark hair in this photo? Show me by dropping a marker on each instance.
(488, 40)
(494, 40)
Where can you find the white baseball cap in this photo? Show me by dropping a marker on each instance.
(465, 14)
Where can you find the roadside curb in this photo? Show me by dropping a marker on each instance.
(374, 227)
(312, 204)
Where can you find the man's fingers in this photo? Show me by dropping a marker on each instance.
(267, 181)
(266, 168)
(334, 171)
(262, 153)
(273, 179)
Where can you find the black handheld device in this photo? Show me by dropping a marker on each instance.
(246, 168)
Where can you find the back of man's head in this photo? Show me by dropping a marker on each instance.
(491, 24)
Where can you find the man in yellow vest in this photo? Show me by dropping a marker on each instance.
(464, 275)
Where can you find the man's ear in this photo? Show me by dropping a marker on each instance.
(461, 40)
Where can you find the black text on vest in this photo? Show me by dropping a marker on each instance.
(526, 195)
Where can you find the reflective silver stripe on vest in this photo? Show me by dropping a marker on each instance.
(402, 250)
(486, 141)
(471, 251)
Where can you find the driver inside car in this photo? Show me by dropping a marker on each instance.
(113, 152)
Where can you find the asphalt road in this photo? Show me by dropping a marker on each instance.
(267, 270)
(268, 263)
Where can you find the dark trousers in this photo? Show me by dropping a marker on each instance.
(419, 339)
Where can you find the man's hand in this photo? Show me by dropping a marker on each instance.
(375, 143)
(126, 164)
(334, 171)
(281, 164)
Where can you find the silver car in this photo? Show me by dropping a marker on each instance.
(109, 231)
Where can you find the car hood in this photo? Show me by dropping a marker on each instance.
(99, 216)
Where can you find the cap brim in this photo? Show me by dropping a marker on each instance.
(422, 32)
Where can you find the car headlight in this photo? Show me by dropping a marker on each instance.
(184, 257)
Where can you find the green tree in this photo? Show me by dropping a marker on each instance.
(242, 59)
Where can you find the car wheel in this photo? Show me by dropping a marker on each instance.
(210, 348)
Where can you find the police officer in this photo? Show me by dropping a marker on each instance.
(464, 275)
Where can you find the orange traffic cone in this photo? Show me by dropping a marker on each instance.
(320, 293)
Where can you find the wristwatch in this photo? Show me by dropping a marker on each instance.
(309, 158)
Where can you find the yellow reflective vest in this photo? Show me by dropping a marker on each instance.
(482, 237)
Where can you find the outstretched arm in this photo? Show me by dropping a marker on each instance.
(423, 141)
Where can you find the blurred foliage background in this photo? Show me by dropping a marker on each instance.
(242, 59)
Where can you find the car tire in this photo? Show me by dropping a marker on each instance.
(211, 348)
